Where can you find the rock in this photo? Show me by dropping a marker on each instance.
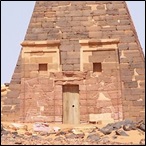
(86, 129)
(77, 131)
(12, 128)
(4, 132)
(81, 135)
(60, 133)
(93, 137)
(133, 127)
(64, 131)
(142, 127)
(43, 133)
(140, 122)
(114, 137)
(2, 128)
(6, 84)
(59, 138)
(128, 121)
(19, 126)
(42, 127)
(142, 142)
(107, 129)
(28, 133)
(121, 133)
(127, 127)
(56, 129)
(18, 142)
(15, 133)
(49, 139)
(117, 125)
(105, 140)
(3, 88)
(34, 136)
(71, 135)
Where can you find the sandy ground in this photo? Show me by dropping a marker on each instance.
(134, 135)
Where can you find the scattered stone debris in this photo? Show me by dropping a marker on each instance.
(44, 134)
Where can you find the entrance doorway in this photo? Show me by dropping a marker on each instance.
(71, 114)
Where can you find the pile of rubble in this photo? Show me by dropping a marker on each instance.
(43, 134)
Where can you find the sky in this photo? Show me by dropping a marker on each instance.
(15, 18)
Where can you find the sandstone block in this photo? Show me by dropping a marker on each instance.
(73, 54)
(32, 74)
(91, 103)
(83, 110)
(58, 95)
(58, 102)
(76, 67)
(91, 110)
(41, 60)
(67, 67)
(87, 67)
(14, 86)
(92, 87)
(83, 102)
(58, 118)
(82, 87)
(83, 96)
(58, 111)
(13, 94)
(95, 34)
(58, 88)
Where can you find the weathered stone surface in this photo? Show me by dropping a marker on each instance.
(107, 129)
(93, 137)
(75, 135)
(121, 132)
(127, 127)
(91, 44)
(142, 127)
(2, 128)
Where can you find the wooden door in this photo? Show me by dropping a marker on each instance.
(71, 104)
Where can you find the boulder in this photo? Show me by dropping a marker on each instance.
(128, 121)
(142, 127)
(93, 137)
(42, 127)
(78, 133)
(107, 129)
(121, 133)
(117, 125)
(18, 126)
(127, 127)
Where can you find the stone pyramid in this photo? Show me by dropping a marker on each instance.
(81, 61)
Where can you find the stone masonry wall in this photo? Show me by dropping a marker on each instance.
(119, 89)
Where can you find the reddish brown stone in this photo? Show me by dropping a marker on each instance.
(80, 35)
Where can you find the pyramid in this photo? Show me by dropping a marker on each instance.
(81, 61)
